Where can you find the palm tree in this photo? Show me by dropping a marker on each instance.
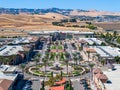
(43, 86)
(22, 67)
(98, 56)
(45, 61)
(6, 61)
(80, 59)
(102, 62)
(1, 60)
(117, 59)
(38, 55)
(66, 62)
(61, 74)
(67, 54)
(115, 33)
(75, 60)
(14, 56)
(88, 52)
(91, 65)
(36, 61)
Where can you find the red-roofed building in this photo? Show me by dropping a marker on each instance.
(61, 82)
(57, 88)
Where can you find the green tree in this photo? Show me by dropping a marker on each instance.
(98, 57)
(36, 59)
(43, 85)
(91, 65)
(45, 62)
(75, 60)
(102, 62)
(22, 66)
(103, 44)
(51, 74)
(115, 33)
(88, 53)
(66, 62)
(117, 59)
(61, 74)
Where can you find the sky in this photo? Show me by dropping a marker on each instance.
(104, 5)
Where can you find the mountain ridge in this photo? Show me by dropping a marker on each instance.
(66, 12)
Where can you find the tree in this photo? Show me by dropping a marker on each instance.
(69, 86)
(103, 44)
(80, 59)
(36, 61)
(66, 62)
(88, 52)
(45, 61)
(1, 59)
(103, 62)
(75, 60)
(115, 33)
(98, 56)
(38, 55)
(61, 74)
(22, 66)
(117, 59)
(6, 60)
(43, 85)
(51, 74)
(91, 65)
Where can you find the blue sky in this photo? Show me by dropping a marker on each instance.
(106, 5)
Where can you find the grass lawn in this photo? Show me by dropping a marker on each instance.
(53, 47)
(37, 72)
(60, 47)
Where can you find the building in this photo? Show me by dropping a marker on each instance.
(20, 50)
(91, 41)
(7, 77)
(107, 52)
(75, 33)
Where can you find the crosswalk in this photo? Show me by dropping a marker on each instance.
(70, 79)
(75, 79)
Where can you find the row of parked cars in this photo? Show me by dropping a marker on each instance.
(85, 84)
(27, 85)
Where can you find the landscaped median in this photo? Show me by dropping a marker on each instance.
(35, 70)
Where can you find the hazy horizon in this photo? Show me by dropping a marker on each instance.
(101, 5)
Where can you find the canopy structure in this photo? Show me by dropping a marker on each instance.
(102, 77)
(57, 88)
(97, 70)
(61, 82)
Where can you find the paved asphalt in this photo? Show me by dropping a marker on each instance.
(37, 82)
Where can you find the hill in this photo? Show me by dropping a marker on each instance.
(21, 24)
(66, 12)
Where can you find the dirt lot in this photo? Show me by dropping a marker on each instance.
(109, 25)
(17, 25)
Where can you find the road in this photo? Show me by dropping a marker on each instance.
(69, 50)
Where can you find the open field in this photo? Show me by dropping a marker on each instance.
(109, 25)
(13, 25)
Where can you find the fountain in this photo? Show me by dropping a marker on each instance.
(57, 67)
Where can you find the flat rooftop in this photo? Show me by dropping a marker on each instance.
(9, 72)
(48, 32)
(92, 40)
(7, 68)
(10, 50)
(114, 77)
(24, 40)
(107, 51)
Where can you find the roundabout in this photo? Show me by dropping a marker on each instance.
(56, 61)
